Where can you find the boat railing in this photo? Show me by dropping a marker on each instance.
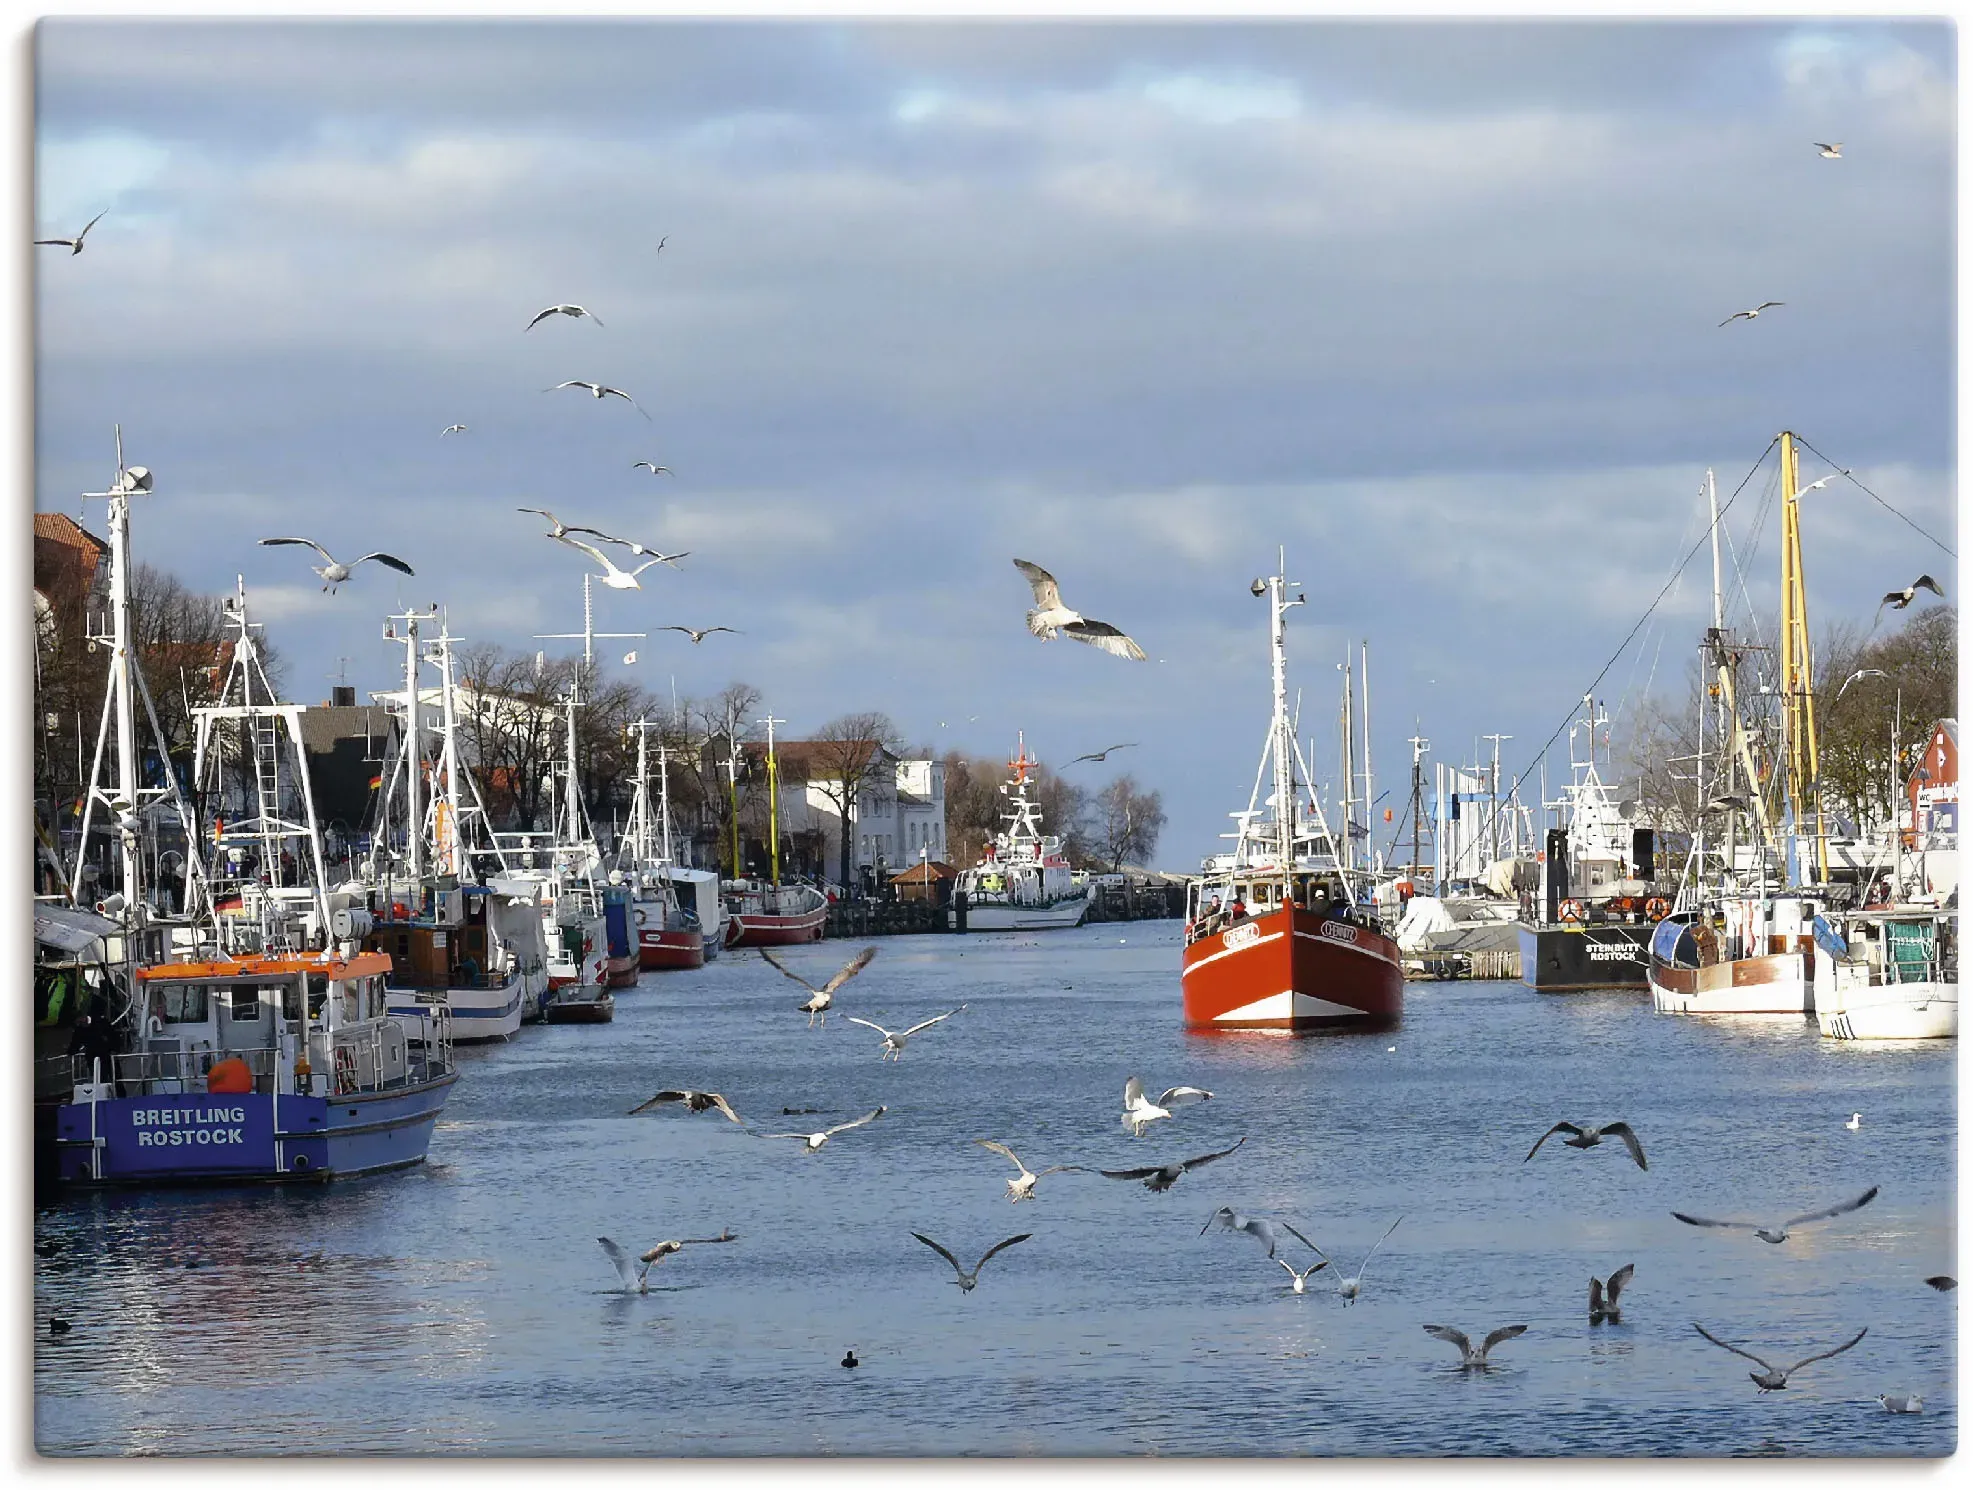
(182, 1069)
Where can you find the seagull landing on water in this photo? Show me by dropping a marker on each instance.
(694, 1102)
(1021, 1187)
(1603, 1296)
(698, 634)
(1139, 1114)
(967, 1280)
(1778, 1232)
(1748, 315)
(1101, 755)
(1161, 1177)
(1301, 1278)
(817, 1006)
(599, 390)
(452, 429)
(574, 312)
(1589, 1138)
(1471, 1359)
(816, 1140)
(894, 1040)
(1051, 616)
(1829, 152)
(1768, 1378)
(334, 574)
(1258, 1227)
(1350, 1288)
(73, 245)
(639, 1281)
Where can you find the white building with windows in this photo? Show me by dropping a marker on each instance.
(897, 813)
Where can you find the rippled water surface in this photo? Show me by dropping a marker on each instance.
(465, 1307)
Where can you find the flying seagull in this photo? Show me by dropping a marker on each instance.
(1471, 1359)
(1603, 1296)
(823, 997)
(334, 574)
(1899, 599)
(575, 312)
(1139, 1114)
(966, 1280)
(1829, 152)
(635, 547)
(894, 1041)
(1942, 1283)
(1021, 1187)
(73, 245)
(1258, 1227)
(615, 578)
(653, 467)
(599, 390)
(1301, 1278)
(1768, 1379)
(698, 634)
(1102, 754)
(1349, 1288)
(694, 1102)
(452, 429)
(1589, 1138)
(1051, 616)
(816, 1140)
(1778, 1233)
(1748, 315)
(661, 244)
(638, 1282)
(1862, 672)
(1161, 1177)
(1902, 1403)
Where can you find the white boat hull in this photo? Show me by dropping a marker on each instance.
(999, 917)
(477, 1013)
(1773, 986)
(1914, 1011)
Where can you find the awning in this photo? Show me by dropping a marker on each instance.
(71, 930)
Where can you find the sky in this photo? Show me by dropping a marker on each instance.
(1433, 306)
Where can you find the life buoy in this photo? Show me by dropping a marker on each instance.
(1657, 908)
(1572, 913)
(639, 914)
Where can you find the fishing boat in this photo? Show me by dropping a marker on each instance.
(1274, 935)
(250, 1039)
(1023, 881)
(767, 913)
(1587, 922)
(1890, 974)
(669, 936)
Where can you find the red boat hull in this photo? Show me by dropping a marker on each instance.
(775, 931)
(670, 950)
(1320, 972)
(621, 972)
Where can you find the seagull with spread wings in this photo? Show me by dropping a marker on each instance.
(1469, 1358)
(966, 1280)
(639, 1281)
(694, 1102)
(1831, 151)
(817, 1005)
(333, 573)
(1770, 1378)
(1778, 1232)
(1899, 599)
(816, 1140)
(574, 312)
(1139, 1113)
(698, 633)
(1589, 1138)
(1603, 1295)
(1101, 755)
(452, 429)
(615, 578)
(894, 1040)
(1748, 315)
(1161, 1177)
(1350, 1288)
(1050, 617)
(73, 245)
(1021, 1187)
(653, 467)
(1258, 1227)
(599, 391)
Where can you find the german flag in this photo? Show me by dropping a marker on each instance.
(375, 782)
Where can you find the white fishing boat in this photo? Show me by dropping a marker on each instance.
(1887, 975)
(1023, 881)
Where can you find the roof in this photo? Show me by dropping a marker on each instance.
(59, 527)
(322, 727)
(814, 757)
(918, 873)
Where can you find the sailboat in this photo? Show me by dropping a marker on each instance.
(768, 914)
(1274, 935)
(669, 936)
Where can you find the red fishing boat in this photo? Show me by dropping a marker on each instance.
(669, 936)
(766, 915)
(1274, 936)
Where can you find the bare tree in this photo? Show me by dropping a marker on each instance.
(510, 716)
(1126, 822)
(841, 758)
(1908, 681)
(715, 730)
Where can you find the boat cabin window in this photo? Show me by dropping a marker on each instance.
(184, 1003)
(245, 1003)
(318, 993)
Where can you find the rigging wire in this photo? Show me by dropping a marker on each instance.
(1875, 498)
(1725, 506)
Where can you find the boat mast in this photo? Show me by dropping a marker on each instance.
(1798, 673)
(414, 755)
(1276, 588)
(1347, 859)
(773, 806)
(1369, 784)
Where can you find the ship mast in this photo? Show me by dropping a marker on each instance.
(773, 805)
(1798, 673)
(1276, 589)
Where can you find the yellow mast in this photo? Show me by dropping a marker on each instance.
(773, 805)
(1804, 784)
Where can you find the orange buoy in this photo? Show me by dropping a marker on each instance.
(232, 1076)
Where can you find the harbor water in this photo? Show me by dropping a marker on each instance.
(465, 1307)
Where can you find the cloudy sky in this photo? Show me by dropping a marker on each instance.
(1433, 305)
